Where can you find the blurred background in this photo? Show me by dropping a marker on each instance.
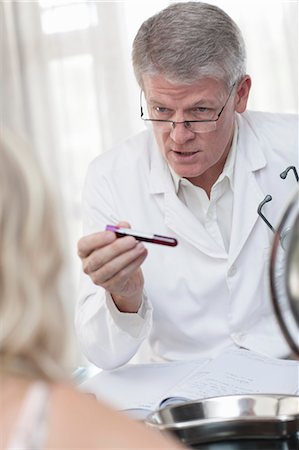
(67, 83)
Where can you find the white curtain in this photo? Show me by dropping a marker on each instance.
(67, 83)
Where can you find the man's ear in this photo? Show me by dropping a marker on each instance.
(242, 94)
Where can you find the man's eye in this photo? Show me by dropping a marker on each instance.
(161, 109)
(200, 109)
(202, 113)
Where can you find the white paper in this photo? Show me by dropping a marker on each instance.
(138, 386)
(144, 386)
(239, 372)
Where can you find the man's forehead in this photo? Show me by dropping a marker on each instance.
(158, 88)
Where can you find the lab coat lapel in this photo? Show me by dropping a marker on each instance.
(247, 192)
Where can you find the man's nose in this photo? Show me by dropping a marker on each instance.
(180, 133)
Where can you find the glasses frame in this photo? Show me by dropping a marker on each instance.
(186, 122)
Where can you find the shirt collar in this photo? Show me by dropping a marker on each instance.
(228, 169)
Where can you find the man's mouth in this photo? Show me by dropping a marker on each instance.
(184, 153)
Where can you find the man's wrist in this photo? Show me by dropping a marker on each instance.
(127, 304)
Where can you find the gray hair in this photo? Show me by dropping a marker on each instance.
(188, 41)
(33, 336)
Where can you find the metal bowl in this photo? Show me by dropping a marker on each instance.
(230, 417)
(284, 273)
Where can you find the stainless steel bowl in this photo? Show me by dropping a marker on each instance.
(230, 417)
(284, 274)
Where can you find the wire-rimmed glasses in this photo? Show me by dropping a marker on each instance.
(205, 125)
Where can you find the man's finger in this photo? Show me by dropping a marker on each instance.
(88, 244)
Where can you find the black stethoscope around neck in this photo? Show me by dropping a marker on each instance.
(285, 233)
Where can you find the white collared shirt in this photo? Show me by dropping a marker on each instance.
(214, 213)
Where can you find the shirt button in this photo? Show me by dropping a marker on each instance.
(238, 337)
(232, 271)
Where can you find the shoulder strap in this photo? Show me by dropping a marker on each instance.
(30, 432)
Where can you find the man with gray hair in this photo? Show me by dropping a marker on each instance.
(197, 174)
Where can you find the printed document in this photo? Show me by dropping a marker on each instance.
(149, 386)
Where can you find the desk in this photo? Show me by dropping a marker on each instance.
(143, 387)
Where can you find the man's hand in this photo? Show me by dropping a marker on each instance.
(114, 263)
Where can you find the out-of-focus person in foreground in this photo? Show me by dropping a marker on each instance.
(39, 407)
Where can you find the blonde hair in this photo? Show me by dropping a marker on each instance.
(33, 336)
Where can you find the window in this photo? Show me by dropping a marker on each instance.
(66, 15)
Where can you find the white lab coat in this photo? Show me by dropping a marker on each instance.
(199, 298)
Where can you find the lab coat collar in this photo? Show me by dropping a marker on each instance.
(250, 158)
(251, 144)
(160, 178)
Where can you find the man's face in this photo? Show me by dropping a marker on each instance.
(195, 156)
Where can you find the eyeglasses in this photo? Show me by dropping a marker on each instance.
(204, 125)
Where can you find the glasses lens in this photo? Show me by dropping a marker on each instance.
(202, 127)
(195, 127)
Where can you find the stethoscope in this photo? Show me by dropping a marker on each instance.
(285, 233)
